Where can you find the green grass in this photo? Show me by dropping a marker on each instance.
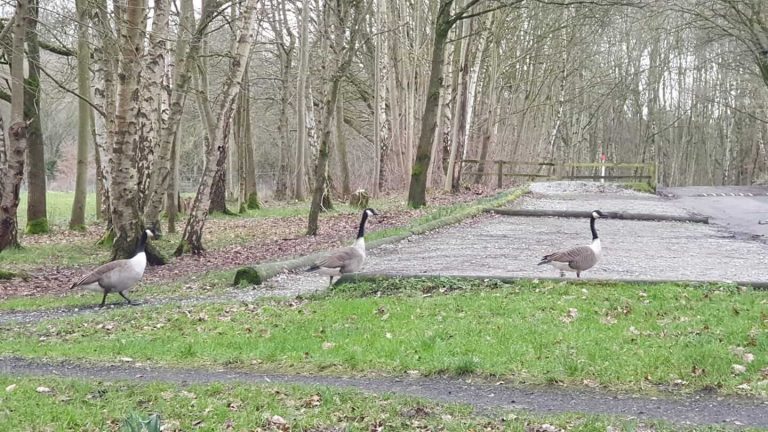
(640, 187)
(620, 336)
(66, 253)
(97, 406)
(59, 206)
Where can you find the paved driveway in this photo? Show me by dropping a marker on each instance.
(738, 208)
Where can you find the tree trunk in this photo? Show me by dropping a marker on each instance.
(216, 150)
(12, 156)
(490, 125)
(37, 218)
(152, 115)
(172, 195)
(301, 104)
(104, 93)
(250, 194)
(281, 26)
(125, 210)
(218, 200)
(418, 186)
(77, 219)
(341, 58)
(460, 108)
(341, 148)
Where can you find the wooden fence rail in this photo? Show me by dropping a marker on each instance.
(644, 172)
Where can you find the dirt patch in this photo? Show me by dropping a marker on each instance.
(694, 409)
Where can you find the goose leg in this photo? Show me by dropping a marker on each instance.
(103, 299)
(330, 284)
(562, 273)
(578, 274)
(126, 298)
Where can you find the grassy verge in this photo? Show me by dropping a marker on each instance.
(442, 216)
(618, 336)
(57, 404)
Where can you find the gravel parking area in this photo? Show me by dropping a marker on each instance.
(494, 245)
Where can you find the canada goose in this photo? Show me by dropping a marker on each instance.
(119, 275)
(346, 260)
(579, 258)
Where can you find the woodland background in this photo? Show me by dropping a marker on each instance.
(233, 103)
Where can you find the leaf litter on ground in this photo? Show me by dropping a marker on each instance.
(269, 238)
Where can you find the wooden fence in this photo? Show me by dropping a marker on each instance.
(636, 172)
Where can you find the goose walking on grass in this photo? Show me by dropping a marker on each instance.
(118, 276)
(346, 260)
(579, 258)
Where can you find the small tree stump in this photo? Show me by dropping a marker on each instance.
(359, 199)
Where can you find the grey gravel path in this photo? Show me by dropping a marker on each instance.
(494, 245)
(696, 409)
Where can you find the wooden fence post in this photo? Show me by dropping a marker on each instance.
(499, 174)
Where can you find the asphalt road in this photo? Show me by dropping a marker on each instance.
(739, 209)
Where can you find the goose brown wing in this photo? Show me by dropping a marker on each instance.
(96, 274)
(342, 259)
(578, 258)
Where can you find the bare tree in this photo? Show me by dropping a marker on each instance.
(443, 24)
(84, 112)
(37, 218)
(285, 52)
(125, 206)
(217, 146)
(339, 15)
(12, 155)
(184, 67)
(301, 104)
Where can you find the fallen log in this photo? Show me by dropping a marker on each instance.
(606, 214)
(373, 277)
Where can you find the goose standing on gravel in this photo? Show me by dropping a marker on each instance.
(346, 260)
(118, 276)
(579, 258)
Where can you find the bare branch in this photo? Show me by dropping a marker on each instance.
(66, 89)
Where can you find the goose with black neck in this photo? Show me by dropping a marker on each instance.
(345, 260)
(580, 258)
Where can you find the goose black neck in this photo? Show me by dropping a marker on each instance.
(142, 243)
(592, 227)
(361, 230)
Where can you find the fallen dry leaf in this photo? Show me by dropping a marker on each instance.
(10, 388)
(279, 423)
(570, 316)
(738, 369)
(314, 401)
(42, 389)
(542, 428)
(328, 345)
